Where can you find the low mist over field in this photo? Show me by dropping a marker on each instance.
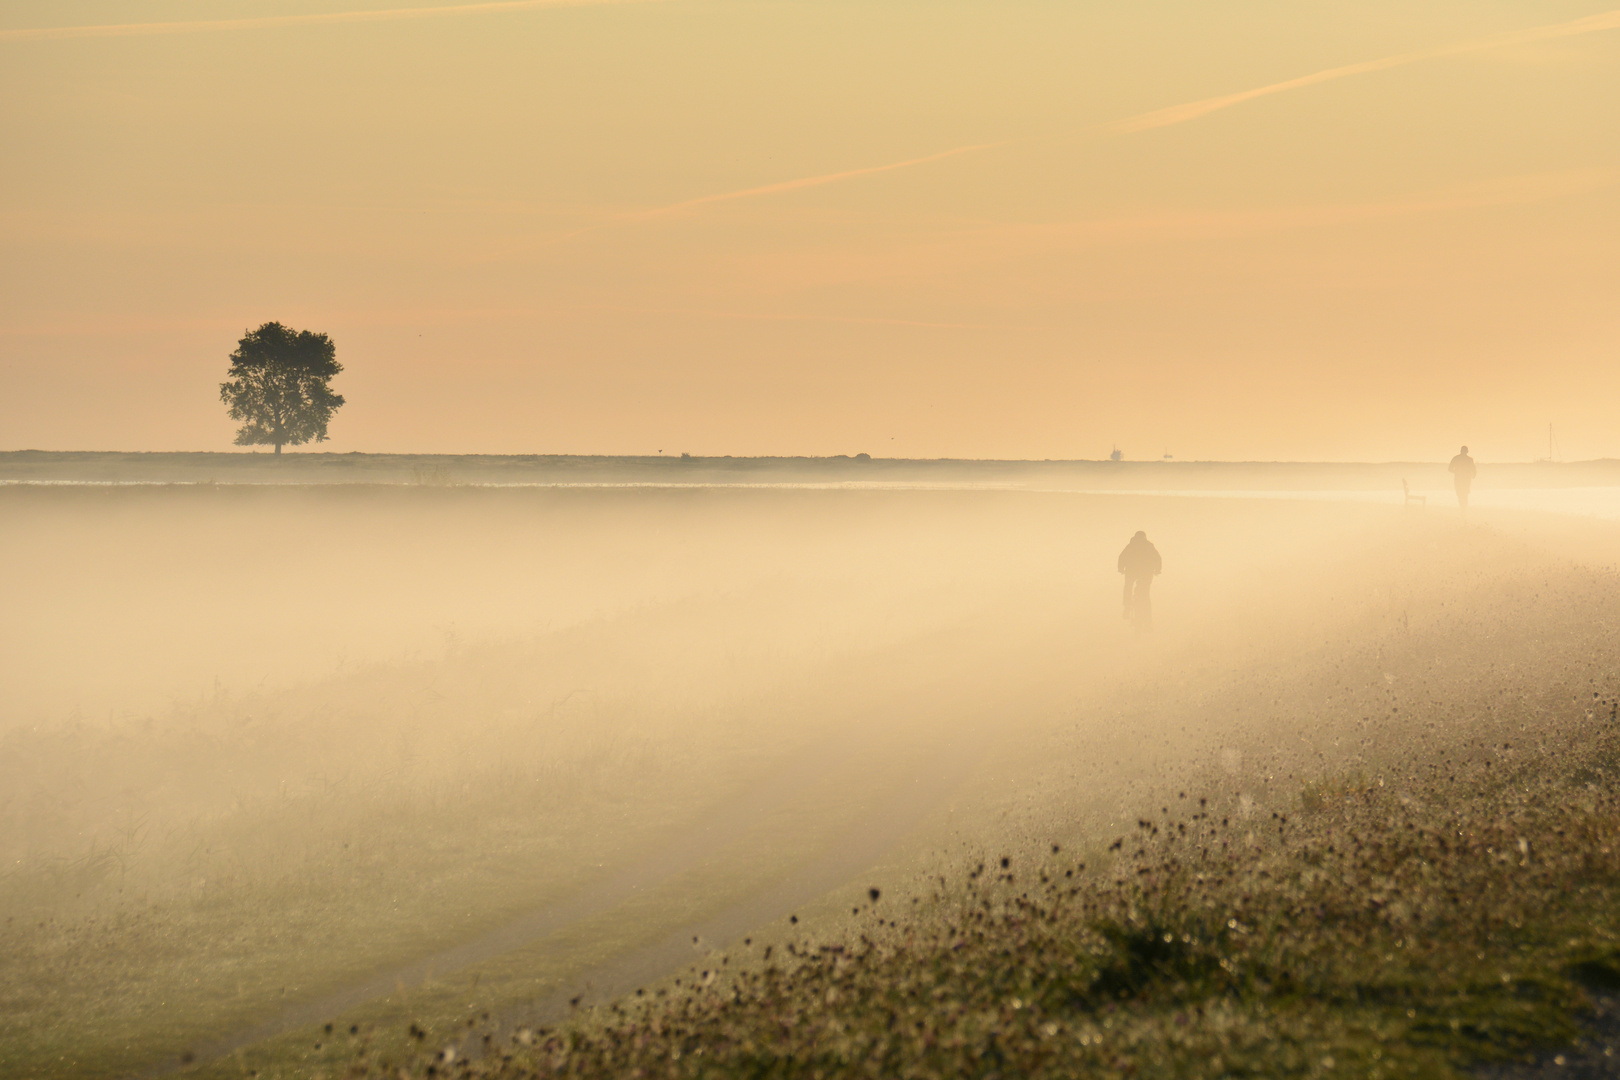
(809, 540)
(283, 756)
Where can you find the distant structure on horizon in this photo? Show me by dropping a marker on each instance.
(1552, 451)
(1116, 455)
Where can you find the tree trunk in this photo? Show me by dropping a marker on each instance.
(278, 448)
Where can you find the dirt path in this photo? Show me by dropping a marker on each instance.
(859, 848)
(901, 782)
(724, 825)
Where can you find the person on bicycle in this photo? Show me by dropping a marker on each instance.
(1139, 562)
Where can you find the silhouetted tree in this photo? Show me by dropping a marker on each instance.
(277, 386)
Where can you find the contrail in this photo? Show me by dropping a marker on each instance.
(270, 21)
(817, 181)
(772, 189)
(1176, 114)
(1180, 114)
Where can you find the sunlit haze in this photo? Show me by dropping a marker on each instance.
(1011, 230)
(722, 540)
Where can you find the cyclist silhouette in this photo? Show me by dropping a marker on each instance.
(1139, 562)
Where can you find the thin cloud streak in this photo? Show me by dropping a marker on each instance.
(771, 189)
(817, 181)
(1192, 110)
(951, 256)
(1175, 114)
(57, 33)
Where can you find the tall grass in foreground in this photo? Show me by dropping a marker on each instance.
(1374, 932)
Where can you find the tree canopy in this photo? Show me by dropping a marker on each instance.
(277, 386)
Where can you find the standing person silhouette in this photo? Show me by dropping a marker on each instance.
(1462, 474)
(1139, 562)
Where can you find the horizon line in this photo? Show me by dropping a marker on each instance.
(683, 456)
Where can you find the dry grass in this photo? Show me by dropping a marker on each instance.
(166, 887)
(1374, 933)
(1438, 895)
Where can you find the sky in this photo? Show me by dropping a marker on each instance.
(949, 228)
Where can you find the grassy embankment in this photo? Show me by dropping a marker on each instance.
(444, 857)
(1445, 895)
(1374, 932)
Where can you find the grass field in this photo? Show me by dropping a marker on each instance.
(1426, 906)
(658, 709)
(1461, 920)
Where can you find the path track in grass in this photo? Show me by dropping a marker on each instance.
(900, 781)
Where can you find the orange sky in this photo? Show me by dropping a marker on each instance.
(980, 228)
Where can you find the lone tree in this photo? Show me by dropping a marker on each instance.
(277, 386)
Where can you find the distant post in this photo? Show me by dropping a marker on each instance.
(277, 386)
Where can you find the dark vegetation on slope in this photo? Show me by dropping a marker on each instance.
(1377, 931)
